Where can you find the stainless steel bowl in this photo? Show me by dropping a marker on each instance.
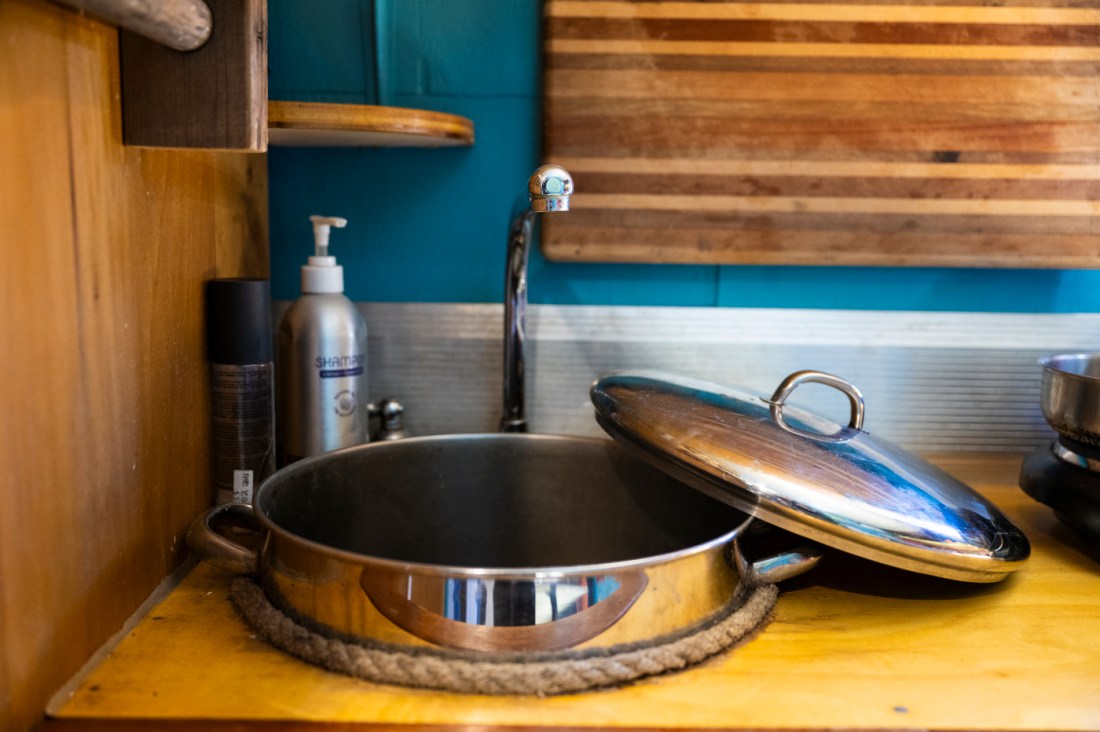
(1070, 395)
(500, 542)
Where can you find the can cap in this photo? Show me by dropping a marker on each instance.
(238, 321)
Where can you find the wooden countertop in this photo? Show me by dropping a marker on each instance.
(853, 645)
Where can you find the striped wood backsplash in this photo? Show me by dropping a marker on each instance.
(908, 133)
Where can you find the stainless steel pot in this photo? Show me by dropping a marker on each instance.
(1070, 395)
(501, 542)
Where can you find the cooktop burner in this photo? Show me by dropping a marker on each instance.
(1065, 475)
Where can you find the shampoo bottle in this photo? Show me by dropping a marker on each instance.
(322, 360)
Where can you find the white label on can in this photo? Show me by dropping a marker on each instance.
(242, 486)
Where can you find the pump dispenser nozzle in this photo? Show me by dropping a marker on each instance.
(321, 275)
(321, 227)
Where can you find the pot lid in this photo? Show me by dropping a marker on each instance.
(831, 483)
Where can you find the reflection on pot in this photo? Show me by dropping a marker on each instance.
(503, 614)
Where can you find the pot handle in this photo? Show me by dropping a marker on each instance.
(220, 551)
(784, 565)
(787, 555)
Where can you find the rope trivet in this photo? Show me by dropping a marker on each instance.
(555, 673)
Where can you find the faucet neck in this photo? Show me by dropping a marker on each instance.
(514, 418)
(548, 188)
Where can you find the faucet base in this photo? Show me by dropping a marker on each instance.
(512, 425)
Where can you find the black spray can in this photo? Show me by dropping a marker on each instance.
(242, 385)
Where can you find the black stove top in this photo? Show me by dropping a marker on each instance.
(1065, 475)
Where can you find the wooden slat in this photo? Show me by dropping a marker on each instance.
(652, 51)
(797, 121)
(824, 11)
(826, 31)
(641, 223)
(103, 420)
(827, 247)
(796, 186)
(706, 86)
(826, 132)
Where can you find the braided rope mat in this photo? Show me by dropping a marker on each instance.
(543, 675)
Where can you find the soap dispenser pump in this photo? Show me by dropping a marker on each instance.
(321, 275)
(322, 360)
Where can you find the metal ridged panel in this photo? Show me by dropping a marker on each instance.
(933, 382)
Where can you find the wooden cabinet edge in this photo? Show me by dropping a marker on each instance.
(214, 97)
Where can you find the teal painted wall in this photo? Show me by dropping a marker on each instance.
(431, 225)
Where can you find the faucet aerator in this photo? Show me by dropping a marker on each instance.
(549, 204)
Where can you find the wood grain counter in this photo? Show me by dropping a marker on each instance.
(853, 645)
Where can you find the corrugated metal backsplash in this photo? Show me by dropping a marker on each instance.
(933, 382)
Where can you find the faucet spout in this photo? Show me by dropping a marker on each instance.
(549, 188)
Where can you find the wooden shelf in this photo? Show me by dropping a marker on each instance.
(313, 124)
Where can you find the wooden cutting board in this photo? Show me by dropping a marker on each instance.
(826, 132)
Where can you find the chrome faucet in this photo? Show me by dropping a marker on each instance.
(549, 189)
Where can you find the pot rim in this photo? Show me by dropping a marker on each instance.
(458, 571)
(1051, 364)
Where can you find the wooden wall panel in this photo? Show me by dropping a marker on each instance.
(826, 132)
(214, 97)
(103, 417)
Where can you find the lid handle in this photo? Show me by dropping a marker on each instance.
(792, 382)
